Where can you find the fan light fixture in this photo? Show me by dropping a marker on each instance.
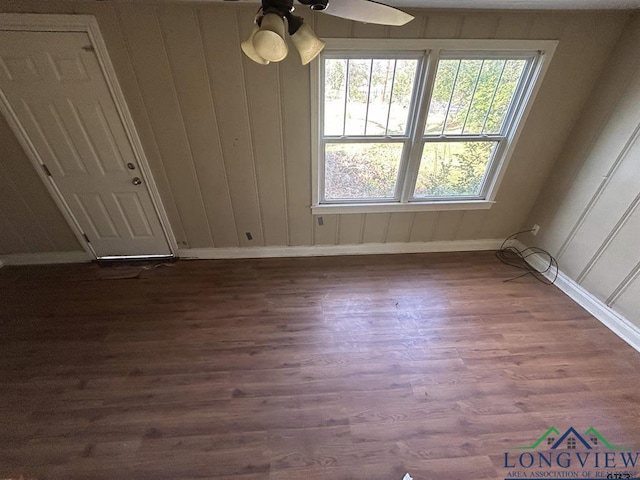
(267, 42)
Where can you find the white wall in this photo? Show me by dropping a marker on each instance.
(590, 209)
(229, 141)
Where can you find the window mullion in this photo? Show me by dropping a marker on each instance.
(453, 90)
(423, 97)
(518, 97)
(366, 115)
(493, 97)
(346, 99)
(464, 138)
(393, 80)
(473, 96)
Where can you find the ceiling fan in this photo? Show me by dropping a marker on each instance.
(267, 41)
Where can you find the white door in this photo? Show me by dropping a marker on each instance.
(60, 98)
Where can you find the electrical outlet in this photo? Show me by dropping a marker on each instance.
(535, 229)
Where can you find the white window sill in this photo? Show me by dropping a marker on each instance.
(326, 209)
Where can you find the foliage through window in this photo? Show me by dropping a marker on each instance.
(418, 127)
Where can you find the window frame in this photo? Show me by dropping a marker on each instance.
(430, 51)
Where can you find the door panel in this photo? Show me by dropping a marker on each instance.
(133, 214)
(56, 88)
(97, 215)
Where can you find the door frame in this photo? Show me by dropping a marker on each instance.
(89, 25)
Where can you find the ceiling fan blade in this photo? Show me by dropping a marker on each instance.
(367, 12)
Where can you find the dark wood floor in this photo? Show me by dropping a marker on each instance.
(316, 368)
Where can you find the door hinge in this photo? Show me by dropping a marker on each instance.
(47, 172)
(89, 48)
(86, 238)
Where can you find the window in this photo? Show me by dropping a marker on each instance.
(411, 125)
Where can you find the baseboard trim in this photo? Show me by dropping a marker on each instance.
(331, 250)
(615, 322)
(44, 258)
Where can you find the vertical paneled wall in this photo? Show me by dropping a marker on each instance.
(229, 141)
(29, 220)
(590, 210)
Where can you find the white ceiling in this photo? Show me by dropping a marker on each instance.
(510, 4)
(518, 4)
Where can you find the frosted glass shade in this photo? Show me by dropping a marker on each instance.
(269, 41)
(307, 43)
(250, 51)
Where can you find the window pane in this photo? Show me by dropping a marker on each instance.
(485, 89)
(472, 96)
(504, 95)
(335, 87)
(453, 168)
(401, 96)
(361, 170)
(368, 96)
(357, 95)
(383, 72)
(445, 79)
(462, 93)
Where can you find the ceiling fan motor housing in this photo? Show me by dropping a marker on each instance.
(317, 5)
(281, 7)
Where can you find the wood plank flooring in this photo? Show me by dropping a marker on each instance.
(314, 368)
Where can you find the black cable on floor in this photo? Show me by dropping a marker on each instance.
(514, 257)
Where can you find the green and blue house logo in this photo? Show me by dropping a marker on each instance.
(571, 454)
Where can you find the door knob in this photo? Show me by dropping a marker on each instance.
(136, 181)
